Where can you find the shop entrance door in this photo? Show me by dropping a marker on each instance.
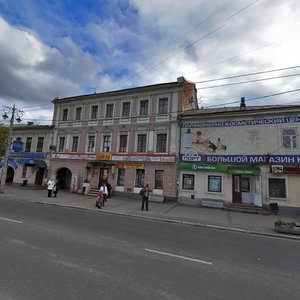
(236, 189)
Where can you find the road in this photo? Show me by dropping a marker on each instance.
(53, 252)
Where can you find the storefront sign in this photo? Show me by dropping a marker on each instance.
(102, 156)
(73, 156)
(17, 146)
(28, 154)
(276, 169)
(197, 167)
(130, 166)
(243, 171)
(271, 121)
(241, 159)
(143, 158)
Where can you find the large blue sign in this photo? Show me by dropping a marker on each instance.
(17, 146)
(28, 154)
(242, 159)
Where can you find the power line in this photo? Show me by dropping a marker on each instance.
(249, 74)
(248, 81)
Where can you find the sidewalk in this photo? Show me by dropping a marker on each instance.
(168, 212)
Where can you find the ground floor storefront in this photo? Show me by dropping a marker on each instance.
(124, 174)
(223, 185)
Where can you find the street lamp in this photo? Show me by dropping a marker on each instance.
(14, 111)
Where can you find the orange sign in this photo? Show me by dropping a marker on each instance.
(130, 166)
(102, 156)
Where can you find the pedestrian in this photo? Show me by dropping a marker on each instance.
(99, 201)
(104, 191)
(55, 189)
(109, 189)
(145, 193)
(50, 186)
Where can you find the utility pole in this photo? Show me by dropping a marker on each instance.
(13, 110)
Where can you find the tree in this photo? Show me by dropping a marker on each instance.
(4, 131)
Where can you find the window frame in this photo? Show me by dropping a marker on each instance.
(285, 179)
(28, 144)
(106, 143)
(209, 184)
(94, 112)
(89, 141)
(109, 110)
(192, 177)
(122, 142)
(156, 186)
(139, 178)
(75, 138)
(126, 110)
(39, 144)
(161, 144)
(61, 146)
(141, 145)
(144, 112)
(65, 113)
(121, 177)
(163, 105)
(78, 113)
(293, 138)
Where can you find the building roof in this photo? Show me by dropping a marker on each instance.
(237, 109)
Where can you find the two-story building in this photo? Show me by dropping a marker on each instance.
(247, 155)
(29, 158)
(126, 138)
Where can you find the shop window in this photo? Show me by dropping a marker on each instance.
(245, 185)
(289, 138)
(214, 184)
(277, 188)
(24, 171)
(28, 144)
(141, 143)
(159, 176)
(144, 104)
(188, 181)
(109, 110)
(106, 143)
(139, 178)
(61, 144)
(121, 177)
(40, 144)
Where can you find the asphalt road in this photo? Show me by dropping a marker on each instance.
(53, 252)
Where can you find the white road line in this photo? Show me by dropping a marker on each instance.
(179, 256)
(10, 220)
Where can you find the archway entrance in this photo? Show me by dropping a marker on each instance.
(63, 177)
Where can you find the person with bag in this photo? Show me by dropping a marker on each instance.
(104, 191)
(99, 201)
(50, 186)
(145, 193)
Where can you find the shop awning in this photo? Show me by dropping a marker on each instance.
(10, 163)
(243, 170)
(36, 163)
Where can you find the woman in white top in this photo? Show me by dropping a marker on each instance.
(51, 184)
(104, 191)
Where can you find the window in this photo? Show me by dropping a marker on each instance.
(188, 181)
(139, 178)
(106, 143)
(24, 171)
(109, 110)
(214, 184)
(289, 138)
(125, 109)
(19, 139)
(40, 144)
(159, 179)
(75, 144)
(277, 188)
(65, 114)
(91, 143)
(161, 145)
(163, 105)
(78, 113)
(61, 144)
(123, 143)
(94, 112)
(28, 144)
(121, 177)
(245, 185)
(144, 107)
(141, 142)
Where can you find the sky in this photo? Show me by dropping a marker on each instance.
(68, 48)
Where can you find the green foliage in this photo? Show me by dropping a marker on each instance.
(4, 131)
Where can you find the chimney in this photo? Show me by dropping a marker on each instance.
(243, 104)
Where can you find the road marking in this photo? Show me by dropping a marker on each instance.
(10, 220)
(179, 256)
